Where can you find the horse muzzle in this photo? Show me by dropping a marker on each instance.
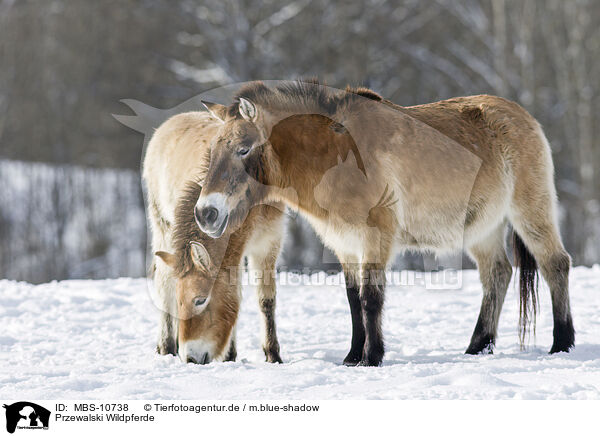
(204, 360)
(212, 214)
(196, 351)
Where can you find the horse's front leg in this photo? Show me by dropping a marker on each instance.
(372, 288)
(270, 344)
(371, 296)
(167, 339)
(264, 272)
(165, 290)
(358, 330)
(232, 351)
(495, 273)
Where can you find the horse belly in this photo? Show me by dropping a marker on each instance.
(343, 239)
(443, 232)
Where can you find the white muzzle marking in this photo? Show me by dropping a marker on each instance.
(196, 351)
(217, 201)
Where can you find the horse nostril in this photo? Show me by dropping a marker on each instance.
(209, 215)
(202, 361)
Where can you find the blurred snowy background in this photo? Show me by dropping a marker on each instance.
(70, 198)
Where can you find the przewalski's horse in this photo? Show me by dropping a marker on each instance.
(442, 177)
(197, 279)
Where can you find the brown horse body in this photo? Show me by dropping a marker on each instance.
(373, 177)
(198, 278)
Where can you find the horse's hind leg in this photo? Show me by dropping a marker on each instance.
(540, 235)
(495, 273)
(556, 272)
(533, 216)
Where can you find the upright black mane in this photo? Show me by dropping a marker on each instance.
(301, 94)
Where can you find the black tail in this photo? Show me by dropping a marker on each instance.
(528, 285)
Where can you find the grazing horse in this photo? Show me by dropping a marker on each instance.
(197, 277)
(438, 177)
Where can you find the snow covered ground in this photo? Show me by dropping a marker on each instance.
(96, 339)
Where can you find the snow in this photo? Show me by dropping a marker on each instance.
(96, 340)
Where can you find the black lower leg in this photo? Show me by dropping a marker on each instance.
(371, 298)
(556, 273)
(271, 344)
(231, 353)
(167, 344)
(564, 335)
(495, 277)
(358, 330)
(482, 342)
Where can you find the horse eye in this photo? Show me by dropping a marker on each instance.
(243, 151)
(199, 301)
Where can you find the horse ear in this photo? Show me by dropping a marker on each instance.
(200, 255)
(248, 110)
(216, 110)
(167, 258)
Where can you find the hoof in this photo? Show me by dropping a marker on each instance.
(274, 359)
(561, 348)
(485, 349)
(231, 355)
(371, 359)
(564, 336)
(481, 344)
(351, 362)
(555, 350)
(166, 349)
(367, 362)
(353, 358)
(272, 355)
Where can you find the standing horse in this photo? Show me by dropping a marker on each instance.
(442, 177)
(197, 279)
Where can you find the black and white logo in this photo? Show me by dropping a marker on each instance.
(26, 415)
